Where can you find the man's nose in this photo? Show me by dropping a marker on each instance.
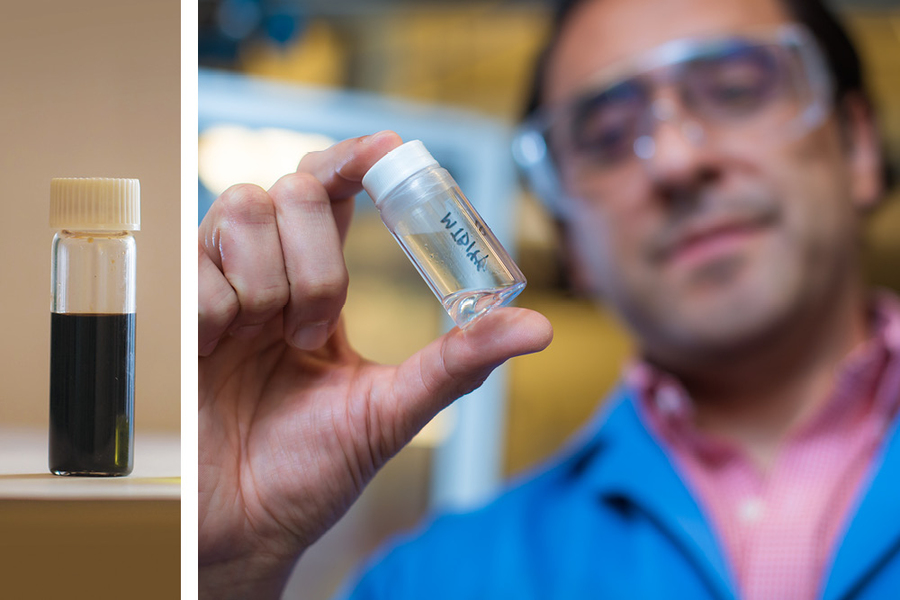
(674, 154)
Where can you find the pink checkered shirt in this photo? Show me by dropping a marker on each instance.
(779, 530)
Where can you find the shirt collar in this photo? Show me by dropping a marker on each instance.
(871, 372)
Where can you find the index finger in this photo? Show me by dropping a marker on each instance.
(341, 167)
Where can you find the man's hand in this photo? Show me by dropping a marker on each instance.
(293, 422)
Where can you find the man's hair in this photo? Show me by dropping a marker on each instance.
(840, 54)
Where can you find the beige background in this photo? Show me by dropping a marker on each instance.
(89, 89)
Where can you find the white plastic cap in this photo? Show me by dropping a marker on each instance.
(395, 167)
(95, 203)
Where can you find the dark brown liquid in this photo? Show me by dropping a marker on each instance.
(91, 394)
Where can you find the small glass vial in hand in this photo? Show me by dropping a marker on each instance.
(92, 325)
(442, 234)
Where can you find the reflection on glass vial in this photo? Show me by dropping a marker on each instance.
(452, 248)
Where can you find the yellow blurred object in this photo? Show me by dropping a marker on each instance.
(474, 57)
(318, 58)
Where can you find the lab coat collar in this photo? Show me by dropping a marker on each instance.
(628, 465)
(873, 533)
(624, 462)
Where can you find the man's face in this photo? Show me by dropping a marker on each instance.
(705, 249)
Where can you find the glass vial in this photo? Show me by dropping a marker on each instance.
(442, 234)
(92, 325)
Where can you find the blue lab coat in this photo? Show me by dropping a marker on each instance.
(612, 519)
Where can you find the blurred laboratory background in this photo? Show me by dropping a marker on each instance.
(279, 78)
(90, 89)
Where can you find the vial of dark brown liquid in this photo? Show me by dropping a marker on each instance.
(92, 325)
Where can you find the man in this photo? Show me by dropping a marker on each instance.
(710, 185)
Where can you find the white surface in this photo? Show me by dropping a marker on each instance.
(24, 473)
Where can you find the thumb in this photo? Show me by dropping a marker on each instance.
(457, 363)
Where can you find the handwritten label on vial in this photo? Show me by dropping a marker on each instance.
(462, 238)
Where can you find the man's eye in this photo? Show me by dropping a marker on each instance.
(738, 83)
(604, 121)
(737, 95)
(607, 141)
(606, 132)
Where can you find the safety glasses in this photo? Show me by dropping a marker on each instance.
(771, 84)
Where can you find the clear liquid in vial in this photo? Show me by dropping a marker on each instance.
(469, 280)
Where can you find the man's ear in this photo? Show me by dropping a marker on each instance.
(863, 149)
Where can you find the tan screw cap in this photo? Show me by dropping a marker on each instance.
(95, 203)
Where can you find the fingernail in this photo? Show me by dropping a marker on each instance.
(378, 136)
(312, 336)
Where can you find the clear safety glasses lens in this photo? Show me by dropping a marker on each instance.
(775, 84)
(724, 86)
